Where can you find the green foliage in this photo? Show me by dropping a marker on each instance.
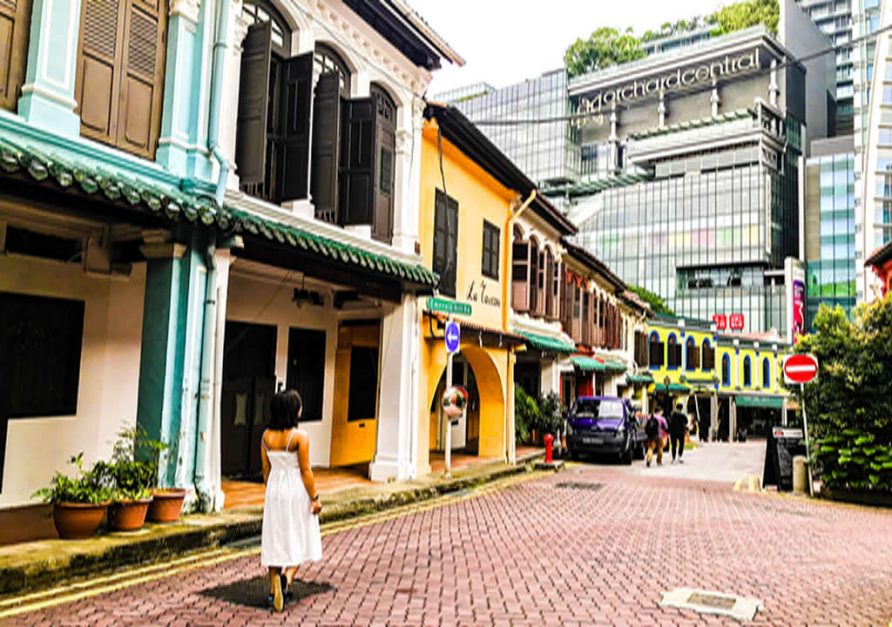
(673, 28)
(603, 48)
(550, 418)
(526, 414)
(133, 469)
(850, 406)
(745, 13)
(656, 302)
(85, 486)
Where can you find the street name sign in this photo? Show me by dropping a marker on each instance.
(448, 306)
(800, 369)
(452, 336)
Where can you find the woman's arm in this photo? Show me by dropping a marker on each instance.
(264, 459)
(306, 473)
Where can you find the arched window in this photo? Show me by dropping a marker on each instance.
(547, 285)
(327, 61)
(766, 373)
(747, 372)
(692, 355)
(726, 370)
(707, 360)
(280, 33)
(520, 271)
(655, 350)
(673, 353)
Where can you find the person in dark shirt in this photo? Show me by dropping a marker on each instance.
(678, 427)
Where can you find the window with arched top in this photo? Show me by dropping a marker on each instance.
(673, 352)
(692, 355)
(280, 32)
(747, 372)
(726, 370)
(655, 350)
(326, 60)
(520, 271)
(548, 285)
(707, 361)
(766, 373)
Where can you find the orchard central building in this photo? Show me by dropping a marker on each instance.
(684, 170)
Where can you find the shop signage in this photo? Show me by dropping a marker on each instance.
(477, 294)
(675, 80)
(452, 336)
(782, 445)
(800, 369)
(736, 322)
(721, 321)
(448, 306)
(794, 279)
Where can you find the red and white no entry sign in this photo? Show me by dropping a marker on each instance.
(800, 369)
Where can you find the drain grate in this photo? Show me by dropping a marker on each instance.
(708, 602)
(580, 485)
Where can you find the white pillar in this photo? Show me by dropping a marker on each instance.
(549, 378)
(397, 401)
(214, 471)
(407, 167)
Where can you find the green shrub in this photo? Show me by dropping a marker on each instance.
(85, 486)
(526, 415)
(854, 460)
(550, 418)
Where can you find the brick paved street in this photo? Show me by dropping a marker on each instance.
(596, 552)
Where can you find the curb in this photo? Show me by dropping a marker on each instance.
(193, 534)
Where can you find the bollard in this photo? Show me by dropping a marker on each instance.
(549, 440)
(799, 475)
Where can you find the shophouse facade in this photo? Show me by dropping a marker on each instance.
(192, 222)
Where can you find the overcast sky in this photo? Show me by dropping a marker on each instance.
(506, 41)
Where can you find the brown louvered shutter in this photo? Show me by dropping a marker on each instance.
(15, 18)
(253, 100)
(326, 145)
(142, 77)
(120, 72)
(357, 181)
(441, 233)
(385, 144)
(297, 94)
(520, 276)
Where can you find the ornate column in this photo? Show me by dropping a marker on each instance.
(47, 98)
(407, 167)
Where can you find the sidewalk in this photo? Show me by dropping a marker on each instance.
(34, 565)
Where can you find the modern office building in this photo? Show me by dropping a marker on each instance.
(830, 225)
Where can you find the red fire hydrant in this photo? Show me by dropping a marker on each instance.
(549, 440)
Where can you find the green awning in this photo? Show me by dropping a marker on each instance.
(587, 364)
(700, 380)
(673, 387)
(615, 366)
(66, 170)
(761, 401)
(641, 378)
(550, 344)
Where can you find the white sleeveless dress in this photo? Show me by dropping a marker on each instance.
(290, 534)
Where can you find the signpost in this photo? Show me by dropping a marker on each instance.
(802, 369)
(448, 306)
(452, 339)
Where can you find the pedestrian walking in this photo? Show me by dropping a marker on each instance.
(678, 427)
(655, 431)
(290, 535)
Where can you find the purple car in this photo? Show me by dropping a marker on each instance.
(603, 425)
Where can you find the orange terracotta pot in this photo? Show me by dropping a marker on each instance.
(167, 505)
(128, 515)
(77, 520)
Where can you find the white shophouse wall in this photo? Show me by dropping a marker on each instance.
(109, 375)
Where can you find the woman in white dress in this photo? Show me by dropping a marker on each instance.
(290, 510)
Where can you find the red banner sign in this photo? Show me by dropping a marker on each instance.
(721, 321)
(736, 322)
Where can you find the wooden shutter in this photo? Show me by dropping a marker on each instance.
(120, 72)
(297, 94)
(15, 22)
(441, 233)
(357, 183)
(484, 264)
(253, 100)
(385, 166)
(520, 276)
(326, 146)
(451, 246)
(142, 77)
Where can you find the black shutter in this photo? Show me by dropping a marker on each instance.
(250, 143)
(357, 185)
(326, 142)
(306, 369)
(451, 246)
(441, 236)
(385, 144)
(297, 94)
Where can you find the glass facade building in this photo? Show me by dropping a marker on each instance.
(830, 228)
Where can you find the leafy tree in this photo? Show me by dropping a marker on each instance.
(744, 14)
(850, 406)
(604, 47)
(656, 302)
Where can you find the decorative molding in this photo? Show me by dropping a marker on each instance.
(187, 9)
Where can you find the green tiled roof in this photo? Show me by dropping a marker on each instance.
(673, 387)
(332, 249)
(174, 204)
(587, 364)
(614, 365)
(544, 343)
(699, 123)
(643, 377)
(593, 187)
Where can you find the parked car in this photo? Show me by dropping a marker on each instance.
(603, 425)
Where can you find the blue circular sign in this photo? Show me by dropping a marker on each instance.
(453, 336)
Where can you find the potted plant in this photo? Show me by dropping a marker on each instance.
(167, 503)
(132, 479)
(79, 501)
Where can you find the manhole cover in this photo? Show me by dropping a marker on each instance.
(580, 485)
(708, 602)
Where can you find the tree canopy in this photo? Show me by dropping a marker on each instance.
(609, 46)
(656, 302)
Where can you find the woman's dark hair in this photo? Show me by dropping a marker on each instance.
(284, 410)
